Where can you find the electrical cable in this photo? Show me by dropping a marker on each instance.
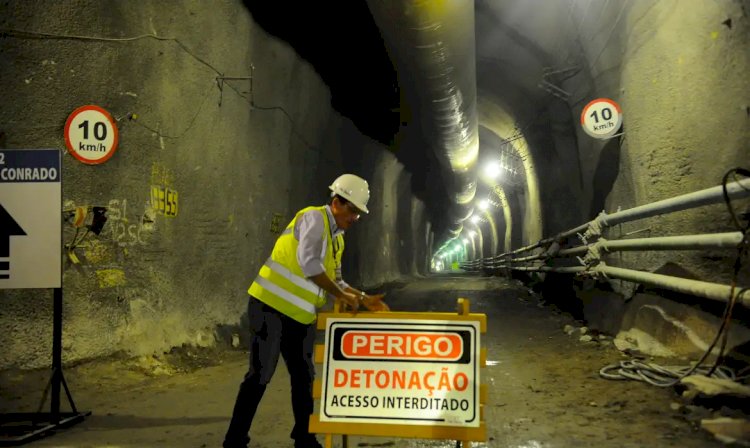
(132, 118)
(656, 375)
(37, 34)
(42, 35)
(742, 251)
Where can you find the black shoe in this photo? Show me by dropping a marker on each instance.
(235, 445)
(307, 442)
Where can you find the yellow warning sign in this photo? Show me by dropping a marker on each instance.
(397, 374)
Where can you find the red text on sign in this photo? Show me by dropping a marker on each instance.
(358, 344)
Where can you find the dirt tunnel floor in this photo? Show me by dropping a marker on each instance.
(545, 390)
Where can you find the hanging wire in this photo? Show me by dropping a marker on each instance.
(220, 80)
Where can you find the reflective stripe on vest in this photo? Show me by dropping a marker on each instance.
(302, 282)
(307, 306)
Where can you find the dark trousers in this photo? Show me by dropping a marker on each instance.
(271, 334)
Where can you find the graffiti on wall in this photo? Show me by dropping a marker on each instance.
(125, 231)
(164, 200)
(120, 224)
(164, 197)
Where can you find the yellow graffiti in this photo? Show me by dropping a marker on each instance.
(161, 175)
(164, 200)
(109, 278)
(97, 252)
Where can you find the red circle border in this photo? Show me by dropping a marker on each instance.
(606, 100)
(70, 146)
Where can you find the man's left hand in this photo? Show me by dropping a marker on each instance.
(375, 303)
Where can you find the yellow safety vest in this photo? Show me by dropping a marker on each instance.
(282, 285)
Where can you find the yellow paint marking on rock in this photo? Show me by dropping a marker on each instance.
(97, 252)
(109, 278)
(714, 35)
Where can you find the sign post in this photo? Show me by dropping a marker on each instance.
(30, 257)
(401, 374)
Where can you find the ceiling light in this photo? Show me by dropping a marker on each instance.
(492, 170)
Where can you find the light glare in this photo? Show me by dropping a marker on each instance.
(492, 170)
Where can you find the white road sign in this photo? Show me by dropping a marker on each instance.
(30, 218)
(601, 118)
(91, 135)
(397, 371)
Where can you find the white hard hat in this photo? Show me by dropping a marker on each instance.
(352, 188)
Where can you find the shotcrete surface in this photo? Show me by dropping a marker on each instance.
(544, 387)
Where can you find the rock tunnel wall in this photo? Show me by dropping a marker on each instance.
(391, 239)
(679, 71)
(159, 277)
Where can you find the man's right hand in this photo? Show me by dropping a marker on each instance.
(351, 301)
(344, 298)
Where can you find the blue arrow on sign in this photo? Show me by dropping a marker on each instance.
(8, 227)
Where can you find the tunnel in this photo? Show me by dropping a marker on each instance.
(574, 171)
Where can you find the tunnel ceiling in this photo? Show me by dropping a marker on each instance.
(516, 40)
(341, 41)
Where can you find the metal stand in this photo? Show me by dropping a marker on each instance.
(23, 427)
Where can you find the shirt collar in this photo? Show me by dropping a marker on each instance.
(334, 228)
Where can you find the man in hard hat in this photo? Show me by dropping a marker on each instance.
(304, 268)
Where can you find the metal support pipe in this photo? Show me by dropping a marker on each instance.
(708, 196)
(708, 290)
(566, 270)
(682, 242)
(531, 258)
(713, 195)
(713, 291)
(574, 251)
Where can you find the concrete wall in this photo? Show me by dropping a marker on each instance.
(150, 281)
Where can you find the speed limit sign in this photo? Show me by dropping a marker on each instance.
(601, 118)
(91, 135)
